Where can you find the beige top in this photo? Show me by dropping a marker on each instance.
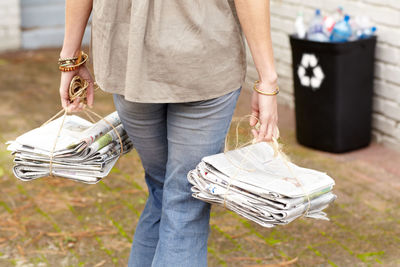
(165, 51)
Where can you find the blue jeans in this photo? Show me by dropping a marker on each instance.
(171, 139)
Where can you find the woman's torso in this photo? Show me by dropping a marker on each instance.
(167, 51)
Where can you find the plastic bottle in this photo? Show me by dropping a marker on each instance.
(368, 32)
(299, 26)
(357, 31)
(342, 31)
(330, 21)
(316, 29)
(362, 28)
(338, 15)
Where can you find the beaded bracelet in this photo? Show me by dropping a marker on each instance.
(70, 64)
(63, 60)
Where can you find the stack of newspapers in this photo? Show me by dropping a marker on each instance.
(83, 151)
(261, 187)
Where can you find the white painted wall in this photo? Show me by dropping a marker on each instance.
(33, 24)
(10, 21)
(42, 24)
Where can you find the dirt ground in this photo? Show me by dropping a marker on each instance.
(56, 222)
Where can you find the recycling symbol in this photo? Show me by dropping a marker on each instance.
(309, 72)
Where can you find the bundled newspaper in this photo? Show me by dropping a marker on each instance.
(263, 188)
(83, 151)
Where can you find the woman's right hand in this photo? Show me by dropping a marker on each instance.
(66, 78)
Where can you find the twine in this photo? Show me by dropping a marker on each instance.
(277, 151)
(77, 90)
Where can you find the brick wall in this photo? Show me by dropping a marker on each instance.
(33, 24)
(386, 15)
(10, 20)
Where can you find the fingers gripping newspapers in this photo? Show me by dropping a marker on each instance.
(71, 147)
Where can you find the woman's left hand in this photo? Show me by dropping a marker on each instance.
(265, 108)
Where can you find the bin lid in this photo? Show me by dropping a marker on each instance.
(332, 47)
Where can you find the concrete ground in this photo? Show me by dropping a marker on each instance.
(56, 222)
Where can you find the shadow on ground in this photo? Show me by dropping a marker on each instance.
(55, 222)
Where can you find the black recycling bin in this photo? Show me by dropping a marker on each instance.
(333, 88)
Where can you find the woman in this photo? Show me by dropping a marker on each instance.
(175, 69)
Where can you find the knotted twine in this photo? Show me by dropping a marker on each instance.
(277, 152)
(77, 91)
